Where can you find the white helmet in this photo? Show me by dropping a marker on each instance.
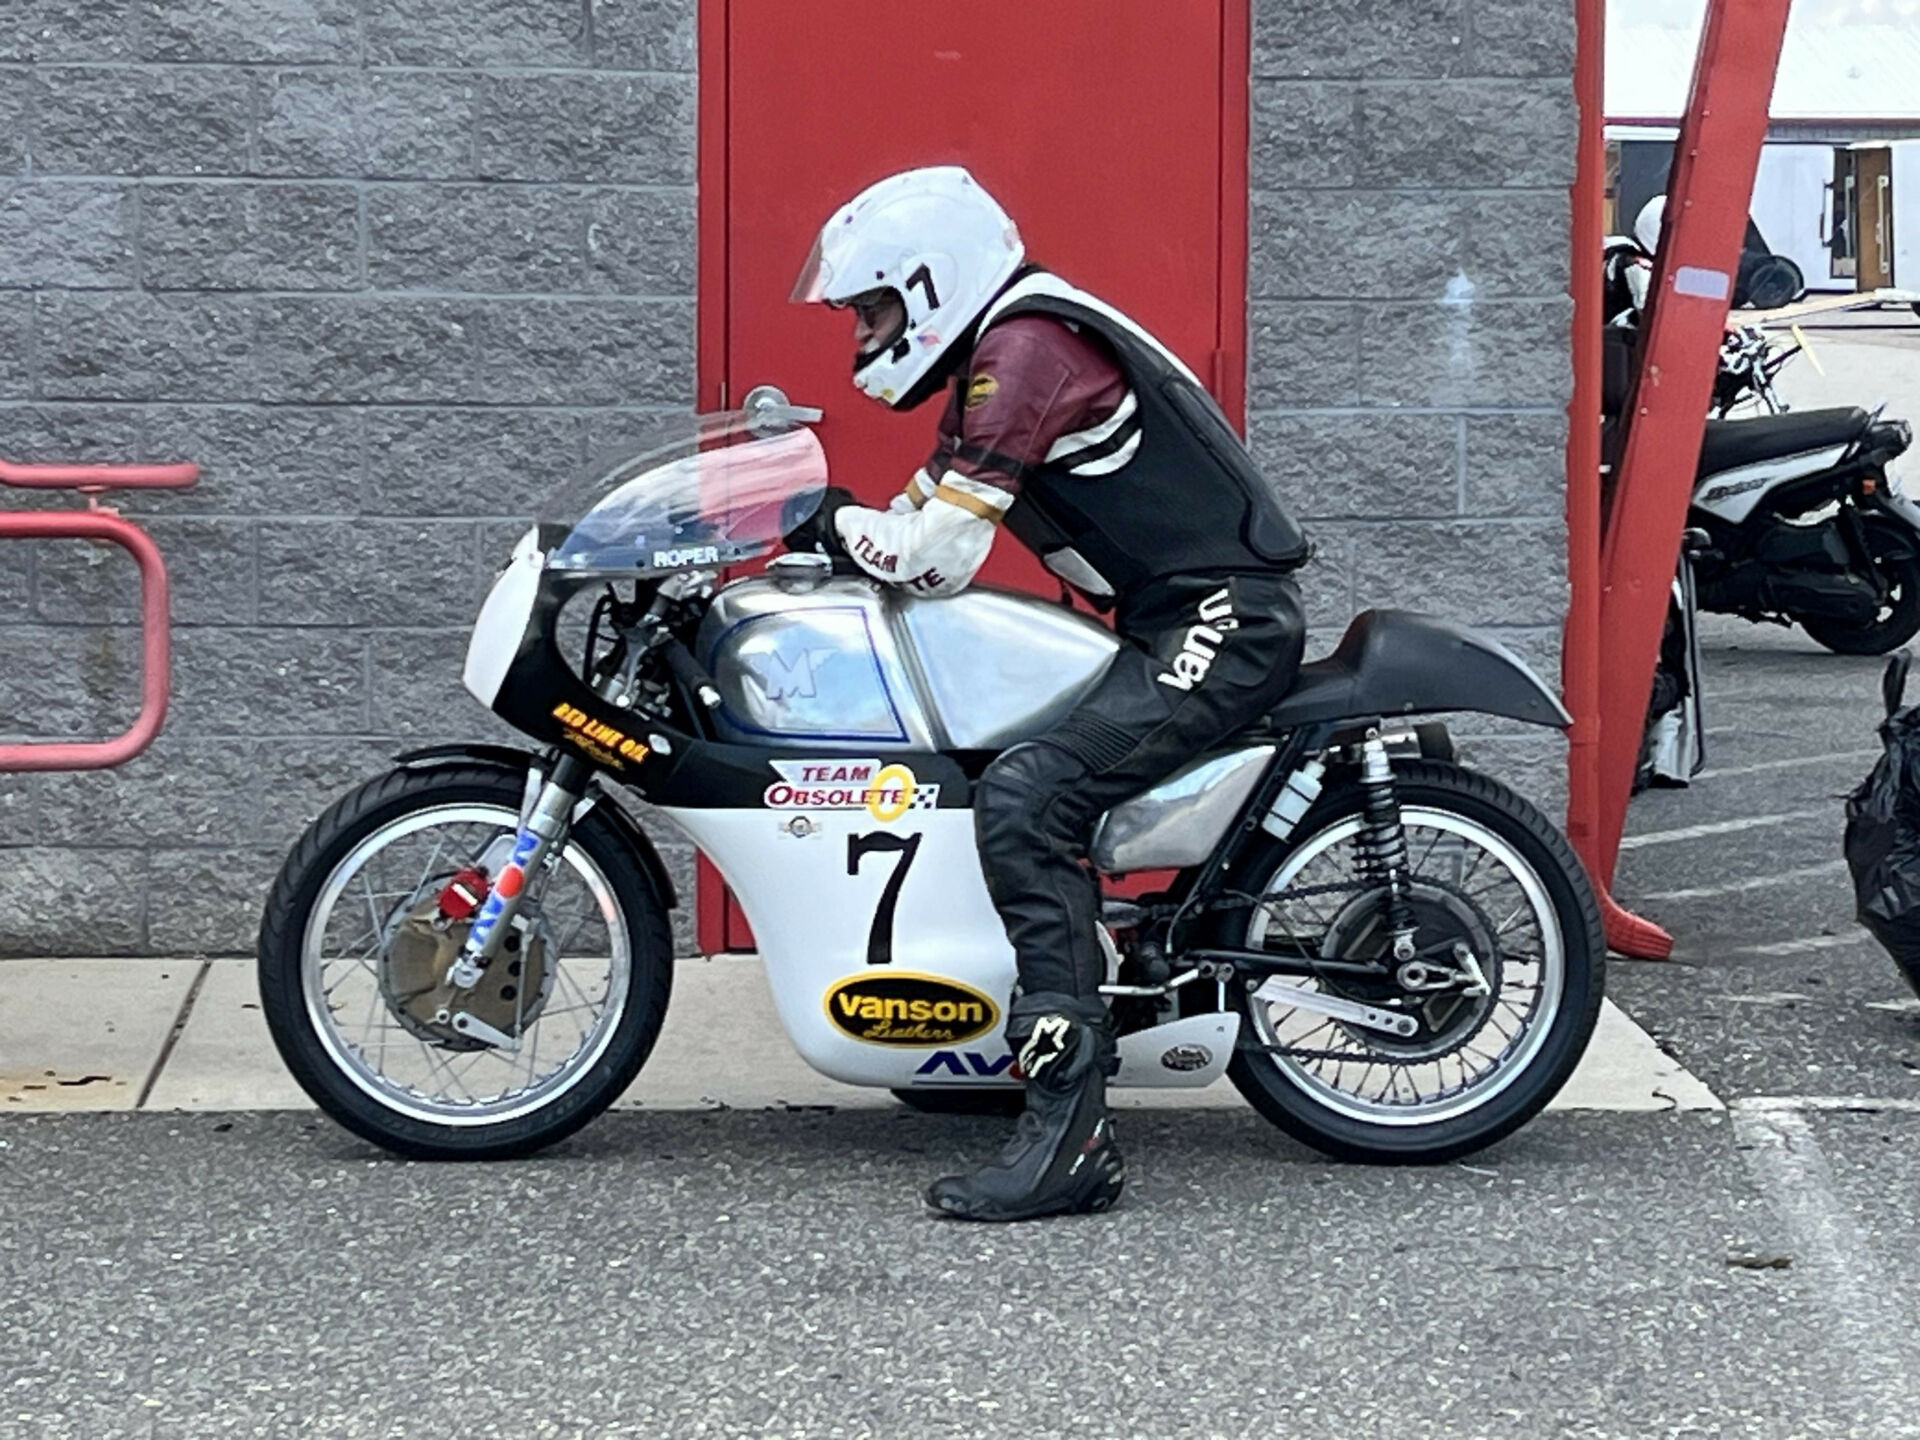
(1646, 225)
(934, 239)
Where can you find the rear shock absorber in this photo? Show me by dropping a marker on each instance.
(1382, 843)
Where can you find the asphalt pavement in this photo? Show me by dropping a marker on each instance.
(1746, 1272)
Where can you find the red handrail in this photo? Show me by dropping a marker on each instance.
(156, 649)
(98, 477)
(156, 635)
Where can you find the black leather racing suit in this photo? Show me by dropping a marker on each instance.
(1083, 435)
(1126, 479)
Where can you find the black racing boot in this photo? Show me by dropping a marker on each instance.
(1062, 1159)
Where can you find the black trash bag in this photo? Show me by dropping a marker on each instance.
(1883, 832)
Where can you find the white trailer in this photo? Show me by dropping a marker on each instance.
(1792, 206)
(1793, 198)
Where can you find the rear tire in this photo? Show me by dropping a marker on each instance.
(340, 1076)
(1286, 1090)
(1898, 564)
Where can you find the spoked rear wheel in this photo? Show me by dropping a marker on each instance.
(1499, 1000)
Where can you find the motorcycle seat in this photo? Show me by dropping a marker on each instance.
(1398, 662)
(1730, 444)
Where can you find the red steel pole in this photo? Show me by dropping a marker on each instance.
(1580, 650)
(1708, 194)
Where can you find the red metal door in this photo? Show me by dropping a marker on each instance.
(1114, 132)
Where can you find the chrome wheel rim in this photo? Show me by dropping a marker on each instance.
(1367, 1082)
(359, 906)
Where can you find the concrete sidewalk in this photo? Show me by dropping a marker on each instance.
(188, 1035)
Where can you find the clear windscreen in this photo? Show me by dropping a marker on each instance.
(696, 492)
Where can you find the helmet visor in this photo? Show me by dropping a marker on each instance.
(816, 276)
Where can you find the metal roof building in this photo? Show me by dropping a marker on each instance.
(1850, 69)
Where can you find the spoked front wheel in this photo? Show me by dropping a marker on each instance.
(1482, 1024)
(356, 947)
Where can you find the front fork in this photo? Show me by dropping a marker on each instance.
(542, 833)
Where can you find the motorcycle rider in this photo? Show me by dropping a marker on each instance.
(1073, 427)
(1672, 745)
(1627, 266)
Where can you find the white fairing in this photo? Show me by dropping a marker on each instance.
(1905, 220)
(503, 620)
(1732, 494)
(1183, 1054)
(813, 923)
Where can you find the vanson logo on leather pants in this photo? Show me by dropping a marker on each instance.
(910, 1010)
(1202, 643)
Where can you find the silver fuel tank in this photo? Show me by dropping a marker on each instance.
(805, 663)
(802, 663)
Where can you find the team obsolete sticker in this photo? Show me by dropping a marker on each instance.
(885, 792)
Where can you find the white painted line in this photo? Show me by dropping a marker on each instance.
(1791, 764)
(1807, 944)
(1830, 1104)
(1830, 1252)
(1723, 827)
(1624, 1069)
(1741, 887)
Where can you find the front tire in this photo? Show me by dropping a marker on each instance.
(386, 1072)
(1897, 564)
(1530, 918)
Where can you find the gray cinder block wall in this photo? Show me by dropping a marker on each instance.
(1409, 317)
(386, 268)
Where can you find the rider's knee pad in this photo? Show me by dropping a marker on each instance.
(1012, 809)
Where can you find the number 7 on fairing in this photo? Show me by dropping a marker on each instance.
(880, 940)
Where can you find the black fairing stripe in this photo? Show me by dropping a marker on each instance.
(687, 771)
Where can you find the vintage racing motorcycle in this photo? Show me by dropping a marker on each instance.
(1391, 956)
